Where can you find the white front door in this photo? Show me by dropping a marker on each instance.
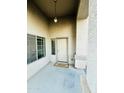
(62, 50)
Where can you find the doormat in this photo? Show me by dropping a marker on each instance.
(61, 64)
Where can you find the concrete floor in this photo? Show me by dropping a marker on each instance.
(53, 79)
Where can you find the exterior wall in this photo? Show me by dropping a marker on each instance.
(64, 28)
(37, 25)
(92, 45)
(86, 44)
(81, 43)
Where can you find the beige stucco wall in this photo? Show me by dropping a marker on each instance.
(92, 47)
(37, 25)
(81, 43)
(65, 27)
(86, 44)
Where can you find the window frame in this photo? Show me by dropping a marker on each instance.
(43, 48)
(53, 47)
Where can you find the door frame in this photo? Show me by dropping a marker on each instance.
(57, 49)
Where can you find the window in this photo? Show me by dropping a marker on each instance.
(31, 48)
(53, 46)
(35, 48)
(40, 47)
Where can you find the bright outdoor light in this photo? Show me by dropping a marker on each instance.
(55, 20)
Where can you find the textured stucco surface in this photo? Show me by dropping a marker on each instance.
(92, 46)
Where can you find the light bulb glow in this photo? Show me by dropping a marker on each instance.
(55, 20)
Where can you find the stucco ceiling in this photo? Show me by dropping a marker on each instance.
(63, 7)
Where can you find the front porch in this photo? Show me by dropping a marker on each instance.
(65, 41)
(52, 79)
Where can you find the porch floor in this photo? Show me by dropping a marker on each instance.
(52, 79)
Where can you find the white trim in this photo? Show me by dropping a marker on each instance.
(36, 49)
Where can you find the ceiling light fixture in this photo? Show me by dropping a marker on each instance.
(55, 18)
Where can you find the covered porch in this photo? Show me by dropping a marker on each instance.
(64, 41)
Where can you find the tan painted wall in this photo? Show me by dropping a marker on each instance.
(37, 25)
(65, 27)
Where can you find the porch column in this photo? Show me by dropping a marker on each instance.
(81, 43)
